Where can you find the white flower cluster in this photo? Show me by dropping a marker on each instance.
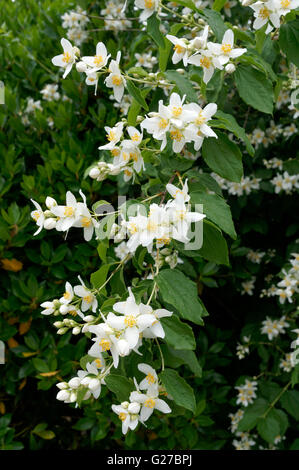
(273, 163)
(113, 13)
(75, 22)
(243, 349)
(62, 218)
(148, 7)
(184, 123)
(288, 286)
(163, 223)
(126, 153)
(255, 256)
(31, 107)
(248, 286)
(50, 92)
(286, 363)
(142, 405)
(273, 328)
(68, 304)
(246, 392)
(88, 382)
(246, 185)
(269, 12)
(285, 182)
(145, 60)
(245, 442)
(207, 55)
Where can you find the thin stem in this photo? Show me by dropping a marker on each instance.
(161, 354)
(276, 399)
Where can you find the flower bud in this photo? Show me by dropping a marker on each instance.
(123, 347)
(75, 382)
(61, 331)
(50, 223)
(76, 50)
(134, 408)
(63, 309)
(89, 318)
(81, 66)
(93, 384)
(87, 395)
(73, 397)
(76, 330)
(230, 68)
(62, 385)
(86, 381)
(63, 395)
(50, 202)
(125, 404)
(58, 324)
(94, 173)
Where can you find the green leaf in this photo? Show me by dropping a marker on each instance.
(218, 4)
(289, 40)
(40, 365)
(289, 402)
(84, 423)
(268, 428)
(98, 278)
(153, 29)
(179, 335)
(214, 247)
(223, 157)
(183, 84)
(189, 358)
(136, 93)
(47, 434)
(216, 210)
(227, 121)
(254, 88)
(180, 292)
(252, 414)
(215, 21)
(178, 388)
(135, 108)
(119, 385)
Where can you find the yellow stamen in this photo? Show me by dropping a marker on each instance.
(35, 215)
(105, 344)
(69, 211)
(66, 295)
(98, 60)
(150, 378)
(264, 13)
(88, 298)
(226, 48)
(179, 49)
(163, 123)
(130, 321)
(66, 57)
(177, 111)
(122, 416)
(206, 62)
(85, 222)
(176, 135)
(116, 80)
(149, 403)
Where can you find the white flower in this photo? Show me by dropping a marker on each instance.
(38, 216)
(67, 214)
(115, 79)
(50, 92)
(225, 51)
(129, 420)
(68, 294)
(67, 59)
(134, 319)
(149, 402)
(180, 49)
(99, 60)
(151, 378)
(88, 299)
(148, 7)
(207, 61)
(114, 135)
(265, 12)
(49, 307)
(121, 250)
